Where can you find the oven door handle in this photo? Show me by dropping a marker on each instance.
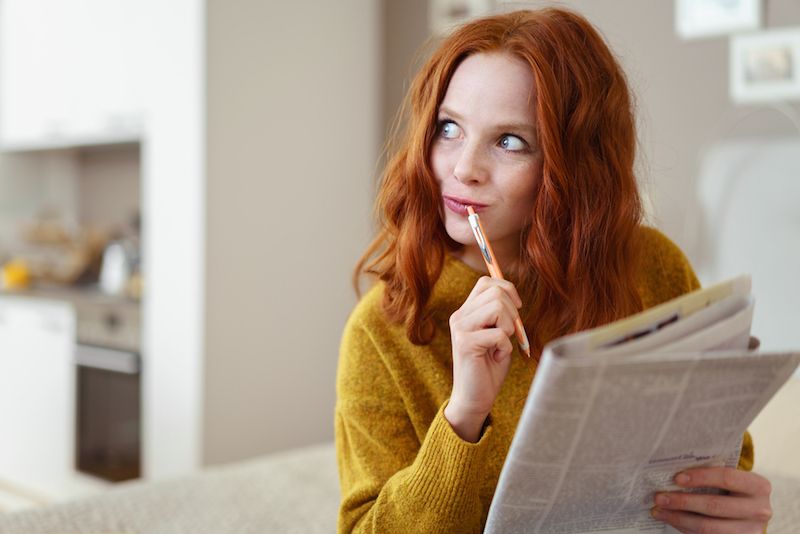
(118, 361)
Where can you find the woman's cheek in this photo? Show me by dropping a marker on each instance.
(444, 158)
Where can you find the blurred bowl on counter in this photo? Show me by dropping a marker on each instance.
(55, 253)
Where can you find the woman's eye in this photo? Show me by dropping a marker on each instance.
(512, 143)
(449, 130)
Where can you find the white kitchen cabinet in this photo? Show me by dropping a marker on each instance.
(71, 72)
(37, 397)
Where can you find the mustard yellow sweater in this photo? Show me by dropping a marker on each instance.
(402, 468)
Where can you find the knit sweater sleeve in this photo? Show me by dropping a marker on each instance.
(666, 272)
(391, 479)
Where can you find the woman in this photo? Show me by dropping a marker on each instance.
(526, 117)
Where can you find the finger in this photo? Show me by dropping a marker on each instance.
(493, 293)
(721, 506)
(693, 523)
(486, 282)
(483, 283)
(496, 312)
(728, 478)
(476, 300)
(493, 342)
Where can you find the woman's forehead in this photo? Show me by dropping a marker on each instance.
(497, 83)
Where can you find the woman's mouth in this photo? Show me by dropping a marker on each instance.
(459, 205)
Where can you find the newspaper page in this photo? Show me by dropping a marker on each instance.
(599, 435)
(648, 329)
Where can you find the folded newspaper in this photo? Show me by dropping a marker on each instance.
(615, 412)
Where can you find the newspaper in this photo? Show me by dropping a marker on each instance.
(615, 412)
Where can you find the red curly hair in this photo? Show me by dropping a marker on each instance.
(578, 258)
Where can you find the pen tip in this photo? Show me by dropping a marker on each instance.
(470, 210)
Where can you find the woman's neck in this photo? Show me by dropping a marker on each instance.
(506, 253)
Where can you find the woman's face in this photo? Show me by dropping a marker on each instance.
(485, 153)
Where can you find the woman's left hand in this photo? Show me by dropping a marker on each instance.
(746, 509)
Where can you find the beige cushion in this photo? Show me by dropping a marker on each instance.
(292, 492)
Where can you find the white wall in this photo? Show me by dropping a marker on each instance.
(172, 196)
(277, 221)
(293, 137)
(173, 222)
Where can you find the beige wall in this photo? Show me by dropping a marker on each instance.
(109, 186)
(776, 432)
(21, 185)
(295, 127)
(405, 29)
(681, 89)
(98, 186)
(293, 122)
(683, 106)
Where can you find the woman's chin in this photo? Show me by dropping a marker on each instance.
(460, 233)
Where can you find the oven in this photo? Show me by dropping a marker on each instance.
(108, 389)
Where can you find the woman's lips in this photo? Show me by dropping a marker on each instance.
(459, 205)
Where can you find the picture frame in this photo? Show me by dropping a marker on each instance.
(445, 15)
(765, 66)
(696, 19)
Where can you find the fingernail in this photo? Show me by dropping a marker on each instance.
(656, 512)
(683, 479)
(662, 500)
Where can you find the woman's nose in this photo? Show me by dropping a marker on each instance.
(471, 165)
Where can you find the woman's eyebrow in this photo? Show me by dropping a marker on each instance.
(449, 112)
(507, 126)
(517, 127)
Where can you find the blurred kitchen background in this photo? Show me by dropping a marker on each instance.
(185, 187)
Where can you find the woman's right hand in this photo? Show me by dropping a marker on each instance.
(480, 332)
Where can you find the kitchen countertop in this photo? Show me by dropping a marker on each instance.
(75, 294)
(102, 320)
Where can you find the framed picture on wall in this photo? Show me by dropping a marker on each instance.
(444, 15)
(706, 18)
(765, 66)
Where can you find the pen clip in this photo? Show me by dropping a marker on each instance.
(476, 230)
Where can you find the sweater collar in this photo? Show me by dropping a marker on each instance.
(453, 286)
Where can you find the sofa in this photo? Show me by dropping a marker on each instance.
(290, 492)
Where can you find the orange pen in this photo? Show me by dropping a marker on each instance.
(495, 272)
